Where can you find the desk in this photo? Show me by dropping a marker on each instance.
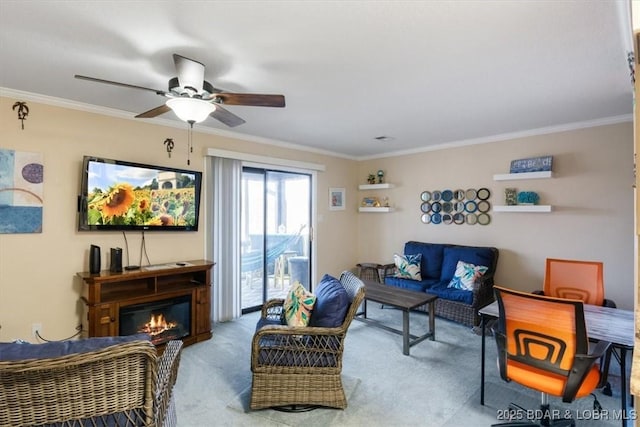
(603, 324)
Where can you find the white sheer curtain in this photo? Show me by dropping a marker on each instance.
(223, 236)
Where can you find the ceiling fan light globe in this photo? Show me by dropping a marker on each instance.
(190, 109)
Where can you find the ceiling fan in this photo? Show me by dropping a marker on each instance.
(193, 99)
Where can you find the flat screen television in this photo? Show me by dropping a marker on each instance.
(123, 196)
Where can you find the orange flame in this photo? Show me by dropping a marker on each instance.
(157, 325)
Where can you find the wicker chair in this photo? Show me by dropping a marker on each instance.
(124, 384)
(300, 366)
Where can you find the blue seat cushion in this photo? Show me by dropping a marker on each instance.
(265, 321)
(431, 263)
(452, 294)
(477, 256)
(412, 285)
(332, 302)
(25, 351)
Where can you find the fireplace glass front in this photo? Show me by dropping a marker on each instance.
(164, 320)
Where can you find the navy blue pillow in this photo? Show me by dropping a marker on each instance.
(332, 302)
(468, 254)
(431, 262)
(24, 351)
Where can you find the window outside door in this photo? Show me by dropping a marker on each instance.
(275, 224)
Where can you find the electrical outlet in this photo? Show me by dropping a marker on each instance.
(36, 328)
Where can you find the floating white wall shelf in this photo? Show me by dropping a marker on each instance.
(374, 209)
(523, 175)
(523, 208)
(375, 186)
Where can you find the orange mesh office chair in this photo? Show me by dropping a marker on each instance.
(574, 279)
(583, 280)
(542, 344)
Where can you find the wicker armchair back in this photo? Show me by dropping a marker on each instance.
(121, 385)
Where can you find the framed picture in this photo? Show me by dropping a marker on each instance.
(336, 199)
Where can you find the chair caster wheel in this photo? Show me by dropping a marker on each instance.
(607, 389)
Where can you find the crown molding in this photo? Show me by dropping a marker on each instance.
(121, 114)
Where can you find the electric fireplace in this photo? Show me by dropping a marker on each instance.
(168, 301)
(163, 320)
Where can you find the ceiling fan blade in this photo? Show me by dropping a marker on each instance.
(190, 72)
(154, 112)
(93, 79)
(251, 99)
(226, 117)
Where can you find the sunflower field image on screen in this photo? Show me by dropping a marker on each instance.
(145, 196)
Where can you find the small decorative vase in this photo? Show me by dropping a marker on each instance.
(511, 196)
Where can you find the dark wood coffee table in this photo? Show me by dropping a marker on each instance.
(404, 300)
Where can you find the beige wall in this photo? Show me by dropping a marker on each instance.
(38, 280)
(591, 194)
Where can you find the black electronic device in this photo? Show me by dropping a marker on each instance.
(94, 259)
(116, 260)
(117, 195)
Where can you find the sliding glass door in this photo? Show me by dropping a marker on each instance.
(275, 244)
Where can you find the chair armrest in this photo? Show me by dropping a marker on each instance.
(273, 309)
(483, 292)
(168, 365)
(581, 366)
(295, 346)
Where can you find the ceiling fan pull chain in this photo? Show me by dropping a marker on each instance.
(190, 142)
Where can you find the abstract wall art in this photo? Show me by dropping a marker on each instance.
(21, 185)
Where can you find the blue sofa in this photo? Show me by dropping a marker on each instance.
(438, 265)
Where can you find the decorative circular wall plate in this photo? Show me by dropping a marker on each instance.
(459, 206)
(471, 219)
(470, 206)
(425, 196)
(447, 195)
(425, 218)
(484, 219)
(447, 218)
(436, 218)
(436, 195)
(425, 207)
(484, 194)
(458, 218)
(484, 206)
(458, 194)
(436, 207)
(447, 207)
(470, 194)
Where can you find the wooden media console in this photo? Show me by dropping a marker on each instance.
(105, 294)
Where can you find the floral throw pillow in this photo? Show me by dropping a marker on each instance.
(298, 305)
(408, 266)
(466, 275)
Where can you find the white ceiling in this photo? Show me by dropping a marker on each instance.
(427, 73)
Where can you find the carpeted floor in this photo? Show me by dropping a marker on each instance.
(437, 385)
